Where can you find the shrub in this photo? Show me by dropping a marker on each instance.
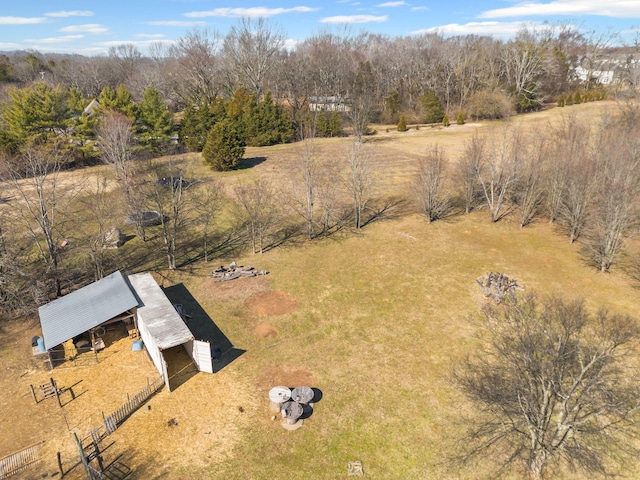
(460, 119)
(402, 124)
(445, 121)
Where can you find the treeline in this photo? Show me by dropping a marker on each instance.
(368, 78)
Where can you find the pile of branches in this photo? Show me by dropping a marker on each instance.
(234, 271)
(498, 286)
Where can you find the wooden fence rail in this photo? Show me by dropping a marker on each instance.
(113, 421)
(20, 460)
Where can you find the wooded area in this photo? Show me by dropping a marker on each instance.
(222, 94)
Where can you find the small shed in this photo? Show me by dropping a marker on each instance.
(137, 298)
(162, 328)
(99, 303)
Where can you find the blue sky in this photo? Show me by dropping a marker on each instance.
(91, 27)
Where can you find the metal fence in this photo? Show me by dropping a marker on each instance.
(20, 460)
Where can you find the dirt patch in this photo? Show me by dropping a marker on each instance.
(286, 375)
(238, 289)
(273, 302)
(266, 330)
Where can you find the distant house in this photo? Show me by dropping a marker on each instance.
(92, 107)
(602, 77)
(331, 103)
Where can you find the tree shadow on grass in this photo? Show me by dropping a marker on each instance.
(246, 163)
(203, 327)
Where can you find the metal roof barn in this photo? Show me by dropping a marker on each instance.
(161, 326)
(85, 308)
(158, 313)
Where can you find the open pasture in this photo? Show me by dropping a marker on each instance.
(375, 320)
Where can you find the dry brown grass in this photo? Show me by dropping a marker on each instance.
(380, 319)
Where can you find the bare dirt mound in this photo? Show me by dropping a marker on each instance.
(266, 330)
(273, 302)
(240, 288)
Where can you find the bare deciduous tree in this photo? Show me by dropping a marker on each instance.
(252, 47)
(194, 67)
(553, 386)
(305, 183)
(529, 189)
(497, 171)
(358, 179)
(168, 193)
(40, 205)
(429, 184)
(257, 210)
(617, 199)
(207, 201)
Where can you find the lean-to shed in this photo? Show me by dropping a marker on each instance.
(161, 326)
(86, 308)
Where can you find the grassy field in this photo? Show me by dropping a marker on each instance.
(375, 320)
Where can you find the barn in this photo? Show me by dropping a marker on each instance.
(137, 300)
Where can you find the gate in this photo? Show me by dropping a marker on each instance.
(200, 352)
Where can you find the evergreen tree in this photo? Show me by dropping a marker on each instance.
(264, 124)
(197, 122)
(402, 124)
(460, 119)
(335, 124)
(322, 125)
(577, 99)
(432, 107)
(35, 112)
(445, 121)
(155, 124)
(225, 145)
(561, 101)
(119, 100)
(76, 102)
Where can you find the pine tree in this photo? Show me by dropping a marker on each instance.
(155, 124)
(432, 107)
(322, 125)
(402, 124)
(460, 119)
(225, 145)
(577, 99)
(561, 101)
(335, 124)
(445, 121)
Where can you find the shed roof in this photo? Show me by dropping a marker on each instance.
(159, 315)
(84, 309)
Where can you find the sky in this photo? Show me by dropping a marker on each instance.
(91, 27)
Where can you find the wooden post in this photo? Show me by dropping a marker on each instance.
(33, 393)
(83, 459)
(59, 458)
(55, 390)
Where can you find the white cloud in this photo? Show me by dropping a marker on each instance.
(70, 13)
(494, 29)
(392, 4)
(610, 8)
(355, 19)
(10, 46)
(154, 36)
(290, 44)
(21, 20)
(62, 39)
(175, 23)
(419, 9)
(94, 28)
(137, 43)
(252, 12)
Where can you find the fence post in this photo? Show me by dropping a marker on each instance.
(59, 458)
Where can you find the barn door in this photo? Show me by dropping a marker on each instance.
(201, 355)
